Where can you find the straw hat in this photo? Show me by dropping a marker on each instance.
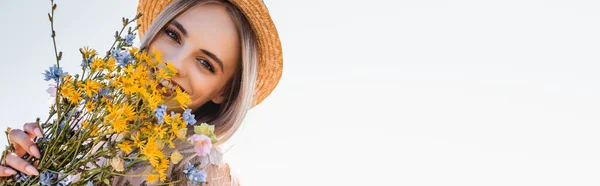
(270, 60)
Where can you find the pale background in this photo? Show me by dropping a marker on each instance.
(376, 92)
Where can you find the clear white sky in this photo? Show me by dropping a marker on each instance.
(428, 92)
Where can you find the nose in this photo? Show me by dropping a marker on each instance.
(179, 62)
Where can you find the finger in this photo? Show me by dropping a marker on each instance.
(18, 149)
(19, 137)
(32, 130)
(16, 162)
(6, 171)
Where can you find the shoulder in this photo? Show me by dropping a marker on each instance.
(221, 175)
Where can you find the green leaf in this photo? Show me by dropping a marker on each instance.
(213, 139)
(105, 180)
(205, 129)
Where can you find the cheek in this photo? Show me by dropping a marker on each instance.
(204, 88)
(164, 47)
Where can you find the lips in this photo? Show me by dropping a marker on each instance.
(167, 93)
(170, 85)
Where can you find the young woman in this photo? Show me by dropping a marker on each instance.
(228, 58)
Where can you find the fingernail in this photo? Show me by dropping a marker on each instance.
(9, 171)
(31, 170)
(38, 132)
(34, 151)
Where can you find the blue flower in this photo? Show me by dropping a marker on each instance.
(160, 113)
(122, 56)
(189, 117)
(54, 73)
(61, 126)
(86, 63)
(129, 39)
(20, 177)
(101, 92)
(47, 177)
(196, 176)
(73, 113)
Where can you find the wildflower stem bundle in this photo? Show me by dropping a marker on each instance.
(112, 118)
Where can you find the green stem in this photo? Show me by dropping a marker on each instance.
(117, 39)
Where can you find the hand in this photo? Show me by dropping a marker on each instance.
(23, 143)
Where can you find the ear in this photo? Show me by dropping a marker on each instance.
(219, 99)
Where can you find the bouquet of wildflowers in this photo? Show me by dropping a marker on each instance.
(112, 118)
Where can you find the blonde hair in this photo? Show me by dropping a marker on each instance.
(228, 116)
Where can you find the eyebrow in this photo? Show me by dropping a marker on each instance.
(180, 27)
(206, 52)
(214, 57)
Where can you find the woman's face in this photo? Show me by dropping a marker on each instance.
(203, 44)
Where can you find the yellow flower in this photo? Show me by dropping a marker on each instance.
(89, 106)
(118, 116)
(157, 55)
(94, 130)
(110, 64)
(69, 92)
(142, 116)
(152, 99)
(174, 126)
(147, 128)
(133, 51)
(78, 84)
(66, 91)
(129, 70)
(173, 119)
(162, 74)
(170, 140)
(160, 132)
(125, 146)
(140, 75)
(67, 78)
(119, 125)
(91, 87)
(75, 98)
(171, 69)
(176, 157)
(128, 85)
(152, 152)
(113, 113)
(87, 52)
(152, 178)
(144, 58)
(97, 63)
(162, 168)
(182, 98)
(85, 124)
(139, 143)
(127, 111)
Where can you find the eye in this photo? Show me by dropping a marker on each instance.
(206, 64)
(172, 34)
